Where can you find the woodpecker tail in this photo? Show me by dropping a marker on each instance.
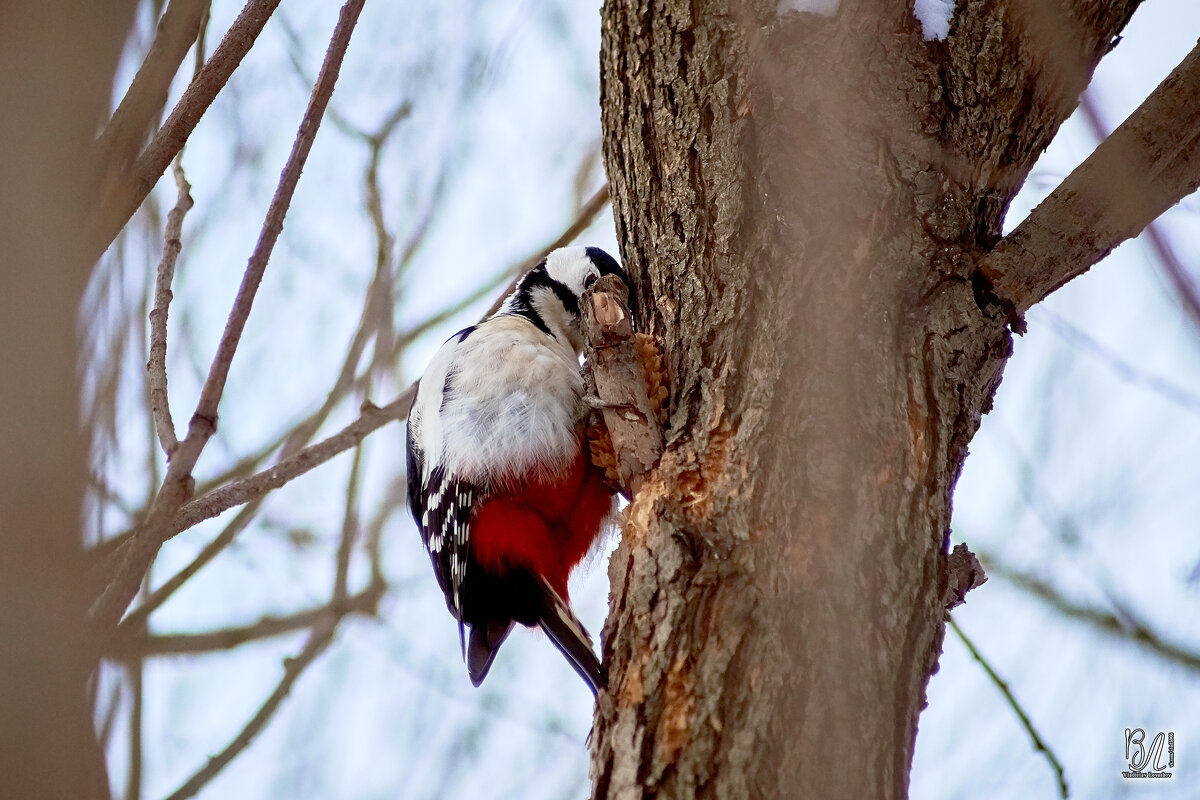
(486, 639)
(569, 636)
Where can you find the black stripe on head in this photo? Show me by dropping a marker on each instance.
(537, 278)
(521, 303)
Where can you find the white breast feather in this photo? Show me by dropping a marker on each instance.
(511, 407)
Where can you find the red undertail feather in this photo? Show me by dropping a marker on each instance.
(546, 527)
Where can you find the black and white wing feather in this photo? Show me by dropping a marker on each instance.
(442, 506)
(441, 500)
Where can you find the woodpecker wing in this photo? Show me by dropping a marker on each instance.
(441, 501)
(442, 507)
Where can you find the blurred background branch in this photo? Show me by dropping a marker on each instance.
(130, 566)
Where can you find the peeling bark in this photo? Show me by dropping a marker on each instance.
(801, 202)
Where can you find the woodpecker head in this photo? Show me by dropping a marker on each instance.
(548, 295)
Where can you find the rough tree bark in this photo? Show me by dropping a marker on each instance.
(803, 203)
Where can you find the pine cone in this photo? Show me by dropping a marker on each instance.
(655, 374)
(603, 456)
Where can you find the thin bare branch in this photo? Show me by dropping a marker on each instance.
(125, 133)
(1125, 371)
(318, 640)
(374, 320)
(1068, 531)
(384, 241)
(202, 40)
(349, 530)
(1038, 743)
(178, 484)
(1185, 286)
(587, 213)
(509, 275)
(1118, 626)
(382, 311)
(235, 494)
(395, 499)
(154, 471)
(120, 198)
(302, 433)
(221, 496)
(247, 464)
(134, 667)
(135, 620)
(592, 158)
(156, 367)
(1150, 163)
(112, 704)
(295, 52)
(243, 491)
(365, 602)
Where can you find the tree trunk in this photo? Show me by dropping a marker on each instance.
(802, 201)
(57, 61)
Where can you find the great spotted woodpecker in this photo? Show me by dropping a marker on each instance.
(499, 479)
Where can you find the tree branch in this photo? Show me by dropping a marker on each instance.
(156, 366)
(318, 640)
(244, 517)
(365, 602)
(376, 316)
(1120, 627)
(135, 621)
(1131, 374)
(220, 498)
(178, 483)
(120, 198)
(136, 669)
(1185, 286)
(121, 139)
(322, 630)
(1149, 163)
(243, 491)
(1038, 743)
(350, 520)
(202, 40)
(583, 219)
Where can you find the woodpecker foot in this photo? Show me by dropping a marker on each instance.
(627, 410)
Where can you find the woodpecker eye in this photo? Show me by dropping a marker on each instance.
(589, 280)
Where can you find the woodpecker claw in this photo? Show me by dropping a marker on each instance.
(596, 404)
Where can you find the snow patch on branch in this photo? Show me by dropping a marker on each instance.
(826, 8)
(934, 16)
